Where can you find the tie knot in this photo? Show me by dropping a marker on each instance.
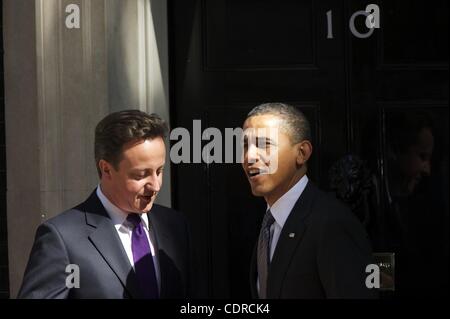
(134, 219)
(268, 219)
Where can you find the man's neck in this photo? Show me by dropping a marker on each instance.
(106, 192)
(272, 198)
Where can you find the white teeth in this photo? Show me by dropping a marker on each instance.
(254, 172)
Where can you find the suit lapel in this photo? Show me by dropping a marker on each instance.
(290, 237)
(162, 241)
(106, 240)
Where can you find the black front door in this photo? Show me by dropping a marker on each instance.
(228, 56)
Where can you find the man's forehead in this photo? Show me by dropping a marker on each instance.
(261, 121)
(261, 135)
(267, 133)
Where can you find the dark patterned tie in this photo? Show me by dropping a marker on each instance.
(142, 257)
(264, 253)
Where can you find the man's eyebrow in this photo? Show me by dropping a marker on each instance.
(264, 139)
(259, 139)
(138, 170)
(145, 170)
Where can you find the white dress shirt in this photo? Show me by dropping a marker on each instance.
(281, 210)
(124, 230)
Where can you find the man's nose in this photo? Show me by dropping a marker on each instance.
(153, 183)
(252, 154)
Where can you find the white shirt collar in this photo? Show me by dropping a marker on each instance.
(117, 215)
(283, 206)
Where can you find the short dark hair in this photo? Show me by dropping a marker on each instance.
(297, 124)
(119, 128)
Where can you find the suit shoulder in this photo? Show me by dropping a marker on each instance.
(328, 208)
(67, 218)
(328, 200)
(334, 221)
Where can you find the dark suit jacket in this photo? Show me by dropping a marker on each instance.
(327, 256)
(86, 236)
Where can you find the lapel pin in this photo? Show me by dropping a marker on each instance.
(291, 235)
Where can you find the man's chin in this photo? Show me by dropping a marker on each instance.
(258, 192)
(145, 208)
(148, 208)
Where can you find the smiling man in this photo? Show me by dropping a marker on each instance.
(310, 245)
(122, 244)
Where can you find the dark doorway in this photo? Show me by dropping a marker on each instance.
(227, 56)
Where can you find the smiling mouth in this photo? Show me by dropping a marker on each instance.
(256, 172)
(147, 197)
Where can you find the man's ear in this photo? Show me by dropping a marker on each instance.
(304, 152)
(105, 168)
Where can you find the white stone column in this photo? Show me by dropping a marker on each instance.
(59, 83)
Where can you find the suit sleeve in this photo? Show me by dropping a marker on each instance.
(344, 252)
(45, 276)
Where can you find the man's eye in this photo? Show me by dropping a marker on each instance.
(264, 145)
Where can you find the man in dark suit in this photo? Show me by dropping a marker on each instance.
(118, 243)
(310, 245)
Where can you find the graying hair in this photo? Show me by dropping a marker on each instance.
(297, 125)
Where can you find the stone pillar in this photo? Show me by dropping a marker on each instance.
(22, 133)
(59, 83)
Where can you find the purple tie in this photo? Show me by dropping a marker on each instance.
(143, 261)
